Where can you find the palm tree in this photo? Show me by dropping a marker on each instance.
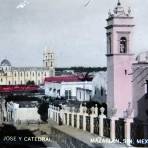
(85, 76)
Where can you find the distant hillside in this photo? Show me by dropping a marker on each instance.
(81, 69)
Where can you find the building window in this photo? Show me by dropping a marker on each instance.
(58, 91)
(123, 45)
(1, 80)
(21, 82)
(15, 82)
(9, 82)
(51, 64)
(101, 91)
(109, 42)
(125, 72)
(15, 74)
(21, 74)
(45, 74)
(38, 74)
(68, 94)
(80, 94)
(33, 74)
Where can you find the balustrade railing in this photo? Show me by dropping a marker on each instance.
(96, 125)
(137, 132)
(113, 127)
(70, 119)
(81, 121)
(75, 120)
(119, 128)
(65, 118)
(88, 123)
(106, 127)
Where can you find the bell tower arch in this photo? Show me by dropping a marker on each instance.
(48, 58)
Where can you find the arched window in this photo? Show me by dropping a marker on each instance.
(110, 45)
(123, 45)
(101, 91)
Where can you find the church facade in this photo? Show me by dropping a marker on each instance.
(10, 75)
(127, 76)
(119, 60)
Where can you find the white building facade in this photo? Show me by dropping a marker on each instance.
(69, 88)
(140, 86)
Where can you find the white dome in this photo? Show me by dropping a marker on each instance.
(142, 57)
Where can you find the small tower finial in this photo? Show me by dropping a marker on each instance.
(118, 3)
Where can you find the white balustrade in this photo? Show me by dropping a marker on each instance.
(78, 120)
(56, 113)
(128, 122)
(112, 128)
(101, 117)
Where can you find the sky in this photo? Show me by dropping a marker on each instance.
(73, 28)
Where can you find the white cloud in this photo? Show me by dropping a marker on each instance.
(22, 4)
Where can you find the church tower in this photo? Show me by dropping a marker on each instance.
(119, 61)
(48, 58)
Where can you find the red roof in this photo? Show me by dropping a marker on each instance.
(59, 79)
(14, 88)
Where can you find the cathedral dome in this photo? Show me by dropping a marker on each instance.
(5, 62)
(142, 57)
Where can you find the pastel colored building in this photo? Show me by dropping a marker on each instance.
(10, 75)
(119, 31)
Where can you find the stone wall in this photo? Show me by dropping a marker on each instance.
(67, 141)
(26, 114)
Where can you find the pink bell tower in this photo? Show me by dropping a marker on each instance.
(119, 61)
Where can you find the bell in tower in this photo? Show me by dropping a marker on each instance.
(48, 58)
